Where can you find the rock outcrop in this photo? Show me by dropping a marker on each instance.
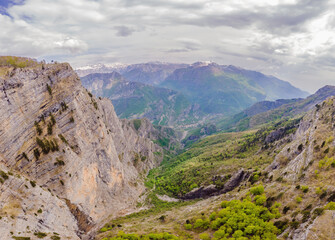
(55, 133)
(212, 190)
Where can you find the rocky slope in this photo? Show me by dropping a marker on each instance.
(292, 163)
(55, 133)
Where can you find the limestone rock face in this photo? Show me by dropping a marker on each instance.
(26, 210)
(54, 132)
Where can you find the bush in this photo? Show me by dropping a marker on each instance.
(201, 224)
(40, 234)
(49, 128)
(188, 226)
(304, 189)
(63, 139)
(318, 211)
(204, 236)
(258, 190)
(298, 199)
(38, 128)
(330, 206)
(137, 123)
(37, 153)
(33, 183)
(3, 175)
(49, 90)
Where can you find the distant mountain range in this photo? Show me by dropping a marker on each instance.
(170, 94)
(137, 100)
(267, 111)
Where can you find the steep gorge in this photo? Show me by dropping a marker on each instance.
(83, 159)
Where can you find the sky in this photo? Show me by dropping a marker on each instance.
(293, 40)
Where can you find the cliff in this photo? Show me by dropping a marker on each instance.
(55, 133)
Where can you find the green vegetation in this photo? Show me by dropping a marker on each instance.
(40, 234)
(213, 156)
(33, 183)
(63, 139)
(150, 236)
(47, 145)
(235, 220)
(38, 128)
(21, 238)
(49, 90)
(17, 62)
(3, 176)
(137, 123)
(37, 153)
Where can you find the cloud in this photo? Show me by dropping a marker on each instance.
(72, 45)
(124, 31)
(280, 37)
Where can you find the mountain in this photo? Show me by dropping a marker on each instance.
(220, 89)
(136, 100)
(67, 161)
(265, 112)
(152, 73)
(100, 68)
(271, 183)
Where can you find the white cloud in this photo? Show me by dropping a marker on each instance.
(279, 37)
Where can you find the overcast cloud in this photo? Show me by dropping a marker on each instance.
(291, 39)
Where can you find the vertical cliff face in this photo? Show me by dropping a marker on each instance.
(54, 132)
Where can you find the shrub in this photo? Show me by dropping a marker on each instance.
(204, 236)
(71, 120)
(49, 90)
(300, 147)
(3, 175)
(49, 128)
(59, 162)
(33, 183)
(258, 190)
(137, 123)
(40, 234)
(304, 189)
(260, 199)
(188, 226)
(201, 224)
(318, 211)
(298, 199)
(64, 106)
(52, 119)
(63, 139)
(37, 153)
(38, 128)
(330, 206)
(25, 156)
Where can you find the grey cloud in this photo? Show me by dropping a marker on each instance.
(278, 20)
(124, 31)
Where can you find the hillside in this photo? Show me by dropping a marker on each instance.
(137, 100)
(227, 89)
(267, 112)
(278, 179)
(66, 159)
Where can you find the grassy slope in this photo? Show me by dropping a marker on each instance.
(300, 201)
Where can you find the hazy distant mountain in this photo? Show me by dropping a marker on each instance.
(152, 73)
(136, 100)
(265, 112)
(100, 68)
(227, 89)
